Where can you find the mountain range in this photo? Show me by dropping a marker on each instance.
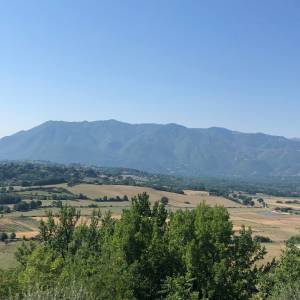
(167, 149)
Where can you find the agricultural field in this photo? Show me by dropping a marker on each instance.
(264, 221)
(189, 200)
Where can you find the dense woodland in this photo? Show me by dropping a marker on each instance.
(149, 253)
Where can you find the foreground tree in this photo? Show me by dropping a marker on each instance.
(207, 250)
(282, 279)
(147, 254)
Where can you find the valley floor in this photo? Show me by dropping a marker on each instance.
(263, 221)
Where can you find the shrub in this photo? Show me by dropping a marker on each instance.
(3, 236)
(262, 239)
(164, 200)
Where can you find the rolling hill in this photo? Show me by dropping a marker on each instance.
(168, 149)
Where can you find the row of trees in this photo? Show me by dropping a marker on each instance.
(149, 253)
(9, 198)
(21, 206)
(7, 189)
(113, 199)
(4, 209)
(5, 236)
(25, 206)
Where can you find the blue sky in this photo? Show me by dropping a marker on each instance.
(230, 63)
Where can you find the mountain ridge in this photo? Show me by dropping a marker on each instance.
(155, 124)
(161, 148)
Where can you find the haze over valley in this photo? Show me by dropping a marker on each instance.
(149, 150)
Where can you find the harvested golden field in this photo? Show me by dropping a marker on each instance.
(26, 234)
(263, 221)
(281, 202)
(22, 226)
(279, 227)
(274, 250)
(10, 224)
(189, 200)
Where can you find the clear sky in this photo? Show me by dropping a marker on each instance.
(227, 63)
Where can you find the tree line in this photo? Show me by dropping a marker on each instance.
(113, 199)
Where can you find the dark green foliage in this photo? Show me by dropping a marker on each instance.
(25, 206)
(49, 181)
(16, 173)
(5, 209)
(282, 281)
(294, 240)
(289, 210)
(262, 239)
(147, 254)
(9, 198)
(217, 260)
(260, 200)
(177, 288)
(246, 200)
(113, 199)
(164, 200)
(3, 236)
(58, 204)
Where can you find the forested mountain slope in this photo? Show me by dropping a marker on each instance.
(168, 149)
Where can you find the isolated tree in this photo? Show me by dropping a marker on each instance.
(3, 236)
(260, 200)
(7, 209)
(164, 200)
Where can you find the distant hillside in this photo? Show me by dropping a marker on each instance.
(168, 149)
